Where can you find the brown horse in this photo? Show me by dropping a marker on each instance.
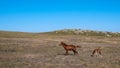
(69, 48)
(96, 52)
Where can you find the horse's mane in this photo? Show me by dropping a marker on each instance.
(63, 43)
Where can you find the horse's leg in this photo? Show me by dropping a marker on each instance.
(75, 52)
(66, 52)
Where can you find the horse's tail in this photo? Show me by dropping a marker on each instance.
(78, 46)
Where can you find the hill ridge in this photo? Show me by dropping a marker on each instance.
(60, 32)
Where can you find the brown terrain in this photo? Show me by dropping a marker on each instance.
(42, 50)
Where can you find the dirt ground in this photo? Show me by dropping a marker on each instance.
(44, 52)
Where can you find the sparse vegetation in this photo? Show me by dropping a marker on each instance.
(87, 33)
(41, 50)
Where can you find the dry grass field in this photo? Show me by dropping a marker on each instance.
(19, 50)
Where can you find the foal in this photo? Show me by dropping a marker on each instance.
(69, 48)
(96, 52)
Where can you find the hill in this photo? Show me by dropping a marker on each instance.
(61, 32)
(11, 34)
(85, 33)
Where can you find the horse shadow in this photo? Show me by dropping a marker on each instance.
(65, 54)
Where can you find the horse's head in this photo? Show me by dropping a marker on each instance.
(61, 43)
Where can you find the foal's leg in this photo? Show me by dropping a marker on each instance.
(100, 54)
(93, 53)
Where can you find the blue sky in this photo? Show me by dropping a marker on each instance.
(50, 15)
